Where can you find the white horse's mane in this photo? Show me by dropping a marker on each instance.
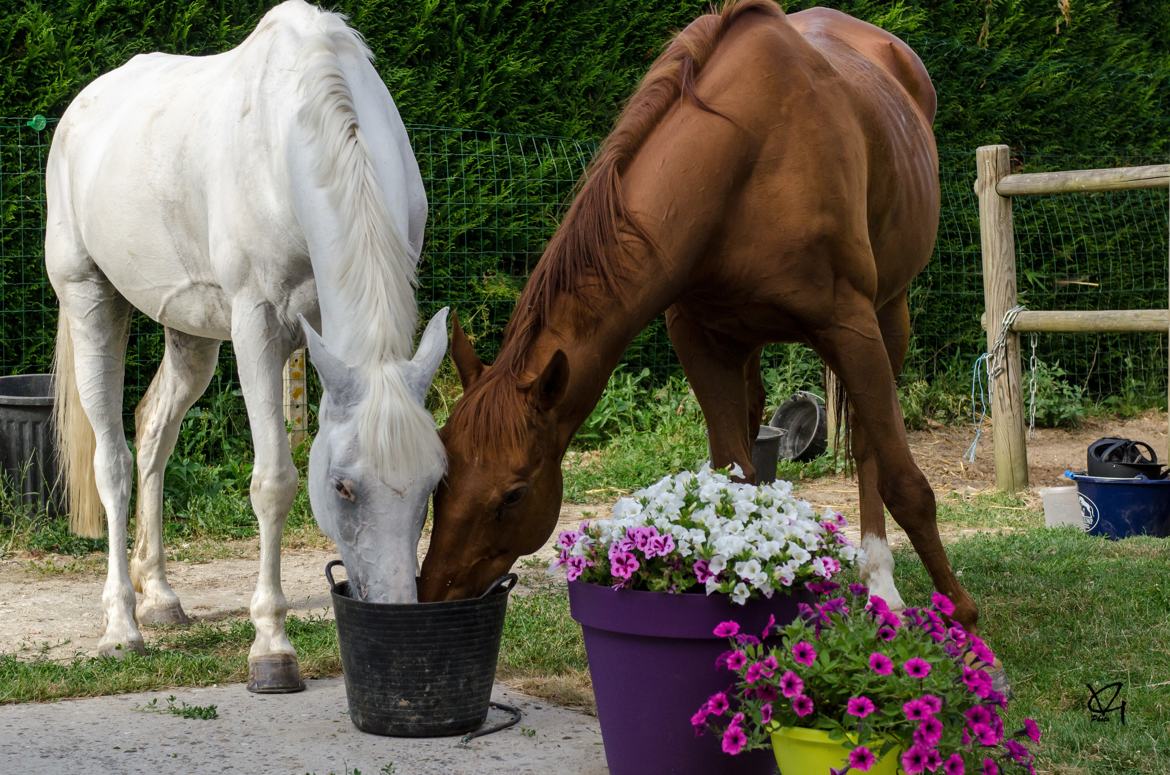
(375, 260)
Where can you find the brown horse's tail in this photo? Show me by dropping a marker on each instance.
(76, 442)
(838, 401)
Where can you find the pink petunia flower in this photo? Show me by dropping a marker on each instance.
(929, 732)
(804, 653)
(736, 660)
(861, 758)
(932, 702)
(990, 767)
(916, 667)
(702, 571)
(880, 663)
(942, 604)
(954, 765)
(791, 685)
(1032, 730)
(754, 672)
(914, 760)
(726, 629)
(766, 713)
(916, 710)
(717, 704)
(623, 565)
(568, 538)
(860, 706)
(734, 740)
(887, 633)
(802, 705)
(699, 719)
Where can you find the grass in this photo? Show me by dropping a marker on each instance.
(1061, 608)
(182, 710)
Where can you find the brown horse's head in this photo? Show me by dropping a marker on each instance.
(502, 493)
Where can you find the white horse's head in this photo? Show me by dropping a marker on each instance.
(375, 461)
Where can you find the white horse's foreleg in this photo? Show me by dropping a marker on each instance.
(99, 324)
(261, 348)
(186, 370)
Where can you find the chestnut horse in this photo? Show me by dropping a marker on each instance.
(774, 178)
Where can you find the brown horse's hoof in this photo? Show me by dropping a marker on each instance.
(274, 674)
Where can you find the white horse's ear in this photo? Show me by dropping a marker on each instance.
(336, 376)
(432, 346)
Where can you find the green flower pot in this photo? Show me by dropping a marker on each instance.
(801, 751)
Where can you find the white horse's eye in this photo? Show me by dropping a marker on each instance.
(344, 489)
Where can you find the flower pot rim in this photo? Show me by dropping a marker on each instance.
(816, 734)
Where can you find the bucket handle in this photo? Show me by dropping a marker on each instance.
(329, 566)
(505, 582)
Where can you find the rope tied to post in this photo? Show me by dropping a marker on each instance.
(993, 364)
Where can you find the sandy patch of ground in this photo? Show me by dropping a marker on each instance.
(59, 614)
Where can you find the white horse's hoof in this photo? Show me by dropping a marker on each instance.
(274, 674)
(119, 649)
(152, 613)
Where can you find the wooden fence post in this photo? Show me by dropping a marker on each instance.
(999, 290)
(296, 412)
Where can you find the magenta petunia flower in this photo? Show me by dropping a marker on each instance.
(734, 740)
(1032, 730)
(990, 767)
(804, 653)
(717, 704)
(916, 667)
(954, 765)
(914, 760)
(942, 604)
(754, 672)
(726, 629)
(702, 571)
(932, 702)
(768, 630)
(699, 719)
(880, 663)
(567, 538)
(576, 566)
(978, 715)
(916, 710)
(802, 705)
(860, 706)
(982, 653)
(770, 665)
(858, 590)
(1017, 751)
(861, 758)
(986, 734)
(766, 713)
(791, 685)
(929, 732)
(641, 536)
(736, 660)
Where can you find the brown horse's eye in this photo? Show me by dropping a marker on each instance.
(514, 495)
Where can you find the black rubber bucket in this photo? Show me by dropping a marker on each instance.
(419, 669)
(28, 457)
(802, 417)
(765, 451)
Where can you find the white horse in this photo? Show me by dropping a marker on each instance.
(226, 197)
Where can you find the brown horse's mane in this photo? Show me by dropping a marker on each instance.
(584, 254)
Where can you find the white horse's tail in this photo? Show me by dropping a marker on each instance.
(76, 442)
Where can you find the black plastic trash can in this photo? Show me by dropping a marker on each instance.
(28, 457)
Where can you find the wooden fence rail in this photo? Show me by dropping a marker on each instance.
(995, 186)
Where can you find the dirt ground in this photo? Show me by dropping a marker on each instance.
(59, 613)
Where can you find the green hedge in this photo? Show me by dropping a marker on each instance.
(1089, 89)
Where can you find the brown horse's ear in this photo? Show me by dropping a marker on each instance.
(467, 363)
(549, 387)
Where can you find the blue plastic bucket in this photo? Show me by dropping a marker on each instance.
(1119, 508)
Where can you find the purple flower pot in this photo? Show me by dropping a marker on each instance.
(652, 658)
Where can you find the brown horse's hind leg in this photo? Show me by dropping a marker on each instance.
(854, 349)
(716, 369)
(877, 572)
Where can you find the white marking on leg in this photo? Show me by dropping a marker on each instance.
(877, 571)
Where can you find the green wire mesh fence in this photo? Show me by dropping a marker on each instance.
(495, 199)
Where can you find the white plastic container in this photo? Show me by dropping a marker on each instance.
(1062, 506)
